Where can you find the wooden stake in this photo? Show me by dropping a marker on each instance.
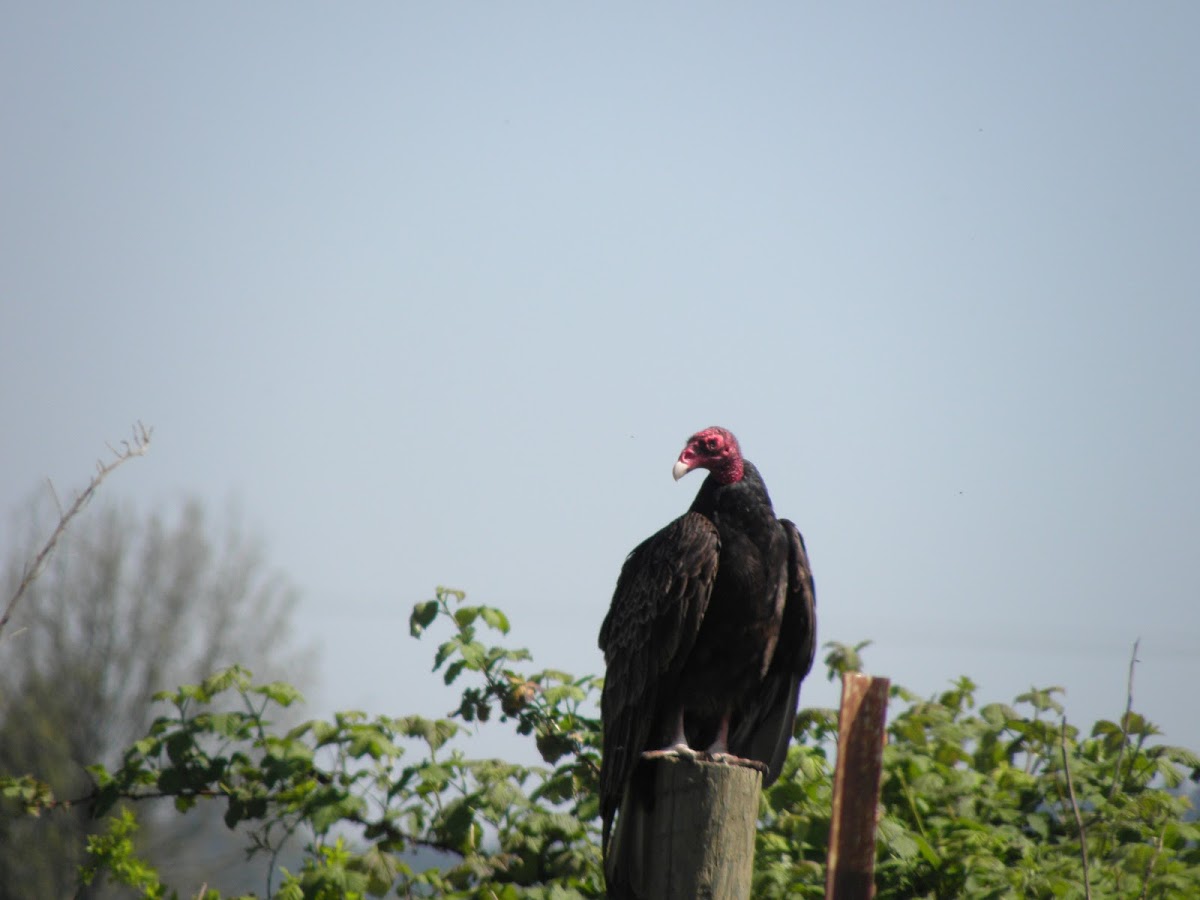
(851, 866)
(698, 843)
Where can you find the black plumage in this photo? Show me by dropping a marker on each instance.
(710, 632)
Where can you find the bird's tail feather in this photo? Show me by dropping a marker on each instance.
(628, 851)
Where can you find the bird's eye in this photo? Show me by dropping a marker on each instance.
(710, 443)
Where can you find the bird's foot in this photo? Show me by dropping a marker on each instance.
(675, 751)
(728, 759)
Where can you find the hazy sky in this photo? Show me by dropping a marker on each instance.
(435, 293)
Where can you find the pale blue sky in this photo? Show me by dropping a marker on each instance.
(436, 292)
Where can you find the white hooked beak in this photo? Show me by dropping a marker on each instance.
(680, 469)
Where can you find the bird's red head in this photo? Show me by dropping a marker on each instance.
(715, 449)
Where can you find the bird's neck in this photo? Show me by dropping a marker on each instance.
(745, 492)
(732, 472)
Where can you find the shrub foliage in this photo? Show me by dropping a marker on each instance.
(999, 801)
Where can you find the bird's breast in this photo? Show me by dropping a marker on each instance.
(738, 634)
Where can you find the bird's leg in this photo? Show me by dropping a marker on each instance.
(677, 747)
(718, 751)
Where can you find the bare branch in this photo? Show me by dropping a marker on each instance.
(1112, 790)
(129, 449)
(1087, 887)
(54, 495)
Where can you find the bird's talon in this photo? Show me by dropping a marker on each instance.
(677, 751)
(730, 759)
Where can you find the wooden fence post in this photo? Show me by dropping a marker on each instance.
(850, 874)
(698, 842)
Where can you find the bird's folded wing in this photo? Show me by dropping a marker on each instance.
(765, 730)
(657, 608)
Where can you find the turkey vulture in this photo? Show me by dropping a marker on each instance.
(711, 629)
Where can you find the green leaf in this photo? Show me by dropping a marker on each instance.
(445, 651)
(473, 655)
(370, 741)
(330, 806)
(381, 869)
(1043, 699)
(422, 615)
(466, 615)
(495, 619)
(434, 731)
(560, 692)
(446, 594)
(232, 678)
(457, 827)
(323, 732)
(280, 693)
(454, 670)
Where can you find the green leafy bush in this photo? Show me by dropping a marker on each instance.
(975, 803)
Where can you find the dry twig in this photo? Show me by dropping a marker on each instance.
(129, 449)
(1087, 887)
